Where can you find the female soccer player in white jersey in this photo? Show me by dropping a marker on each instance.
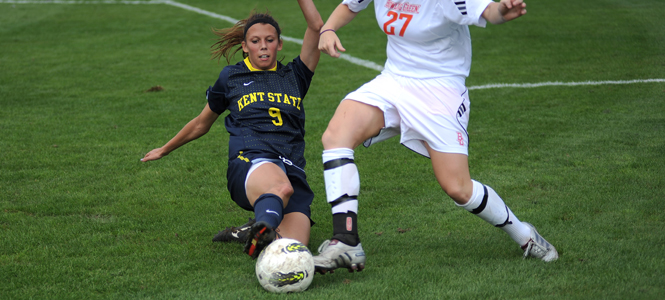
(266, 122)
(420, 95)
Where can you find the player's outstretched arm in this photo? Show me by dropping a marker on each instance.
(193, 130)
(504, 11)
(329, 43)
(309, 53)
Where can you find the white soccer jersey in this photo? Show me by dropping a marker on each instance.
(427, 38)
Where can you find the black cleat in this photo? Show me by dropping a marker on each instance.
(260, 236)
(234, 234)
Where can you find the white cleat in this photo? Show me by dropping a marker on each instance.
(538, 247)
(335, 254)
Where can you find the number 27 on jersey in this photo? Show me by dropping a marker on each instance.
(389, 28)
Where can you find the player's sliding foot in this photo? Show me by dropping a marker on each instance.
(538, 247)
(235, 234)
(335, 254)
(260, 236)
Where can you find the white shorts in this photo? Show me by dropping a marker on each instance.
(435, 110)
(256, 163)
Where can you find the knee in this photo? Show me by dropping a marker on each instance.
(329, 138)
(335, 137)
(458, 192)
(284, 191)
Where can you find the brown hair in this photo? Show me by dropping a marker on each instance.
(234, 36)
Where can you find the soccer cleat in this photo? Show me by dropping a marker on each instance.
(538, 247)
(260, 236)
(234, 234)
(335, 254)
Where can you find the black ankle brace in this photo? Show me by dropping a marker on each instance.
(345, 228)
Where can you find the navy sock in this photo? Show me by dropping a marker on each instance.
(268, 208)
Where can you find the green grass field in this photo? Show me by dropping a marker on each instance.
(82, 218)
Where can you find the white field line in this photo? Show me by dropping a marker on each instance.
(78, 2)
(200, 11)
(351, 59)
(555, 83)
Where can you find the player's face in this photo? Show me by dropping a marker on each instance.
(262, 44)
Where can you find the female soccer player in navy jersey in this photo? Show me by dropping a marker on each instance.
(266, 125)
(420, 95)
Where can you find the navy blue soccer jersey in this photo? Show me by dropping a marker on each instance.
(266, 114)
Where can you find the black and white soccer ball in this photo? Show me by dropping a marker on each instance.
(286, 265)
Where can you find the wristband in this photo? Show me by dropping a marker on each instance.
(333, 30)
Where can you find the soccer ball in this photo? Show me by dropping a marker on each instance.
(286, 265)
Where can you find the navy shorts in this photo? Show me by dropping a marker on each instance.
(300, 201)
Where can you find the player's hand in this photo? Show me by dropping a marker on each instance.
(155, 154)
(329, 44)
(512, 9)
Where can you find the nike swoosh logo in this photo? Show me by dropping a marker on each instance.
(248, 83)
(235, 235)
(271, 212)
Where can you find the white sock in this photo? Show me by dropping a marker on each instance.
(486, 204)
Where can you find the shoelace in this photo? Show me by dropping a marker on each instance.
(323, 246)
(529, 245)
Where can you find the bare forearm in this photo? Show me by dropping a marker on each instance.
(311, 14)
(191, 131)
(309, 52)
(329, 43)
(341, 16)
